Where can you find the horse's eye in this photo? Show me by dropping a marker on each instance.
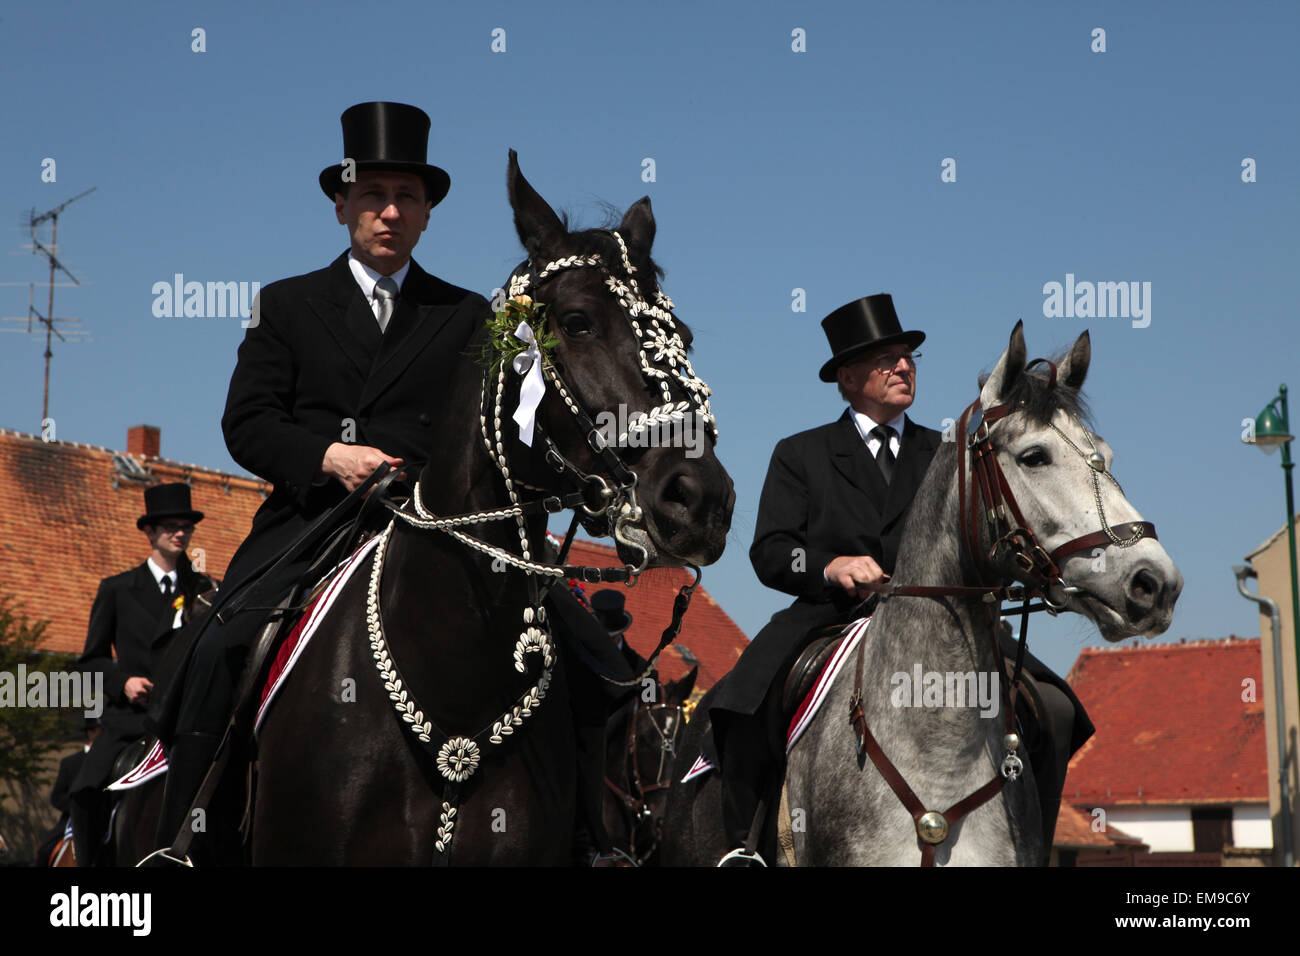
(575, 324)
(1034, 458)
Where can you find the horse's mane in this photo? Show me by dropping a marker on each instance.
(1040, 402)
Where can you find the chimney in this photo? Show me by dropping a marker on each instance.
(143, 440)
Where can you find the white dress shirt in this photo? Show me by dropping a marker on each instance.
(865, 425)
(367, 278)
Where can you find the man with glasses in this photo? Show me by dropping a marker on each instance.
(830, 521)
(134, 615)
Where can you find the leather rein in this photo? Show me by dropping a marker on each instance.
(635, 798)
(992, 499)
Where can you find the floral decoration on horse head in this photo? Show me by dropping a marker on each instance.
(505, 343)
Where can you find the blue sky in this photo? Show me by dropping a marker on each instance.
(775, 170)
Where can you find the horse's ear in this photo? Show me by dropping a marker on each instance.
(638, 226)
(1074, 367)
(677, 692)
(539, 228)
(1009, 369)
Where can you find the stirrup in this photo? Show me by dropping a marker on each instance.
(164, 855)
(614, 857)
(742, 857)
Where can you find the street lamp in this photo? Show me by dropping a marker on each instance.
(1272, 430)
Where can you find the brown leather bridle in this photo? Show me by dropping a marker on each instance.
(634, 795)
(997, 505)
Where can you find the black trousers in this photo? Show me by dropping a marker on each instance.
(220, 653)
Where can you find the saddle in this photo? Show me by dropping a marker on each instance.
(807, 668)
(130, 757)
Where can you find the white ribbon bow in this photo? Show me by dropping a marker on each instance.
(529, 364)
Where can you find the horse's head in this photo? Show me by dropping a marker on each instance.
(622, 415)
(1058, 469)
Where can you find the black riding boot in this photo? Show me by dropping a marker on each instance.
(746, 769)
(187, 764)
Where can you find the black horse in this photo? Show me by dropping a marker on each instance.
(641, 746)
(406, 734)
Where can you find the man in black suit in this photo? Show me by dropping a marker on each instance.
(341, 370)
(134, 615)
(830, 521)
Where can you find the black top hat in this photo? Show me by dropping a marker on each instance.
(865, 324)
(167, 501)
(391, 136)
(607, 605)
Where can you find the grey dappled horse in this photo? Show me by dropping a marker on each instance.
(848, 813)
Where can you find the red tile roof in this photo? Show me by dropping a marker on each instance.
(1074, 831)
(67, 519)
(707, 632)
(1172, 725)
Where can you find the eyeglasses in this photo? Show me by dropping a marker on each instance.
(887, 363)
(175, 527)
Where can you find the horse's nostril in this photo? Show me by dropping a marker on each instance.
(1145, 584)
(683, 490)
(1143, 593)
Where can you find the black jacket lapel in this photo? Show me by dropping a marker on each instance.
(852, 459)
(915, 452)
(423, 308)
(347, 316)
(145, 590)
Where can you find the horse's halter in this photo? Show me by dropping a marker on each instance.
(997, 504)
(635, 798)
(662, 357)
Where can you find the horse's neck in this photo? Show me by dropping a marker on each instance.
(913, 637)
(462, 478)
(445, 601)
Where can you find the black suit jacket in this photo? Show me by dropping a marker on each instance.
(130, 629)
(315, 370)
(130, 624)
(61, 793)
(824, 497)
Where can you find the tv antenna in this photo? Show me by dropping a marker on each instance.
(48, 320)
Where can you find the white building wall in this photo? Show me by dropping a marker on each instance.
(1252, 826)
(1169, 829)
(1163, 829)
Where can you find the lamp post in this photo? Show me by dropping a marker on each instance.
(1271, 430)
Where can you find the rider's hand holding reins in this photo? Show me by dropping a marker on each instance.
(859, 574)
(352, 464)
